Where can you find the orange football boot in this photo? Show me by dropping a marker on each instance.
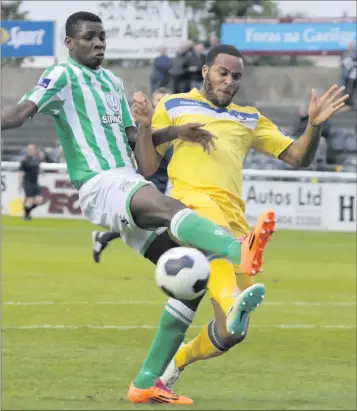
(158, 393)
(254, 243)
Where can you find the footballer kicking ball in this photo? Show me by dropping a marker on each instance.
(183, 273)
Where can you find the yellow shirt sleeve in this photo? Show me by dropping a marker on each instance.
(161, 120)
(268, 138)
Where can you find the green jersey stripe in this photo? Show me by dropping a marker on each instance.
(72, 116)
(77, 164)
(102, 111)
(121, 126)
(84, 119)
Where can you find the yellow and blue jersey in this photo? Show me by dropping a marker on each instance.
(220, 173)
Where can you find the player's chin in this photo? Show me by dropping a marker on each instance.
(223, 102)
(98, 60)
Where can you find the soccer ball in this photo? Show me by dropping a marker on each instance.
(183, 273)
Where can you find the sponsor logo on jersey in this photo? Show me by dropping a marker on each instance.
(112, 119)
(44, 82)
(113, 102)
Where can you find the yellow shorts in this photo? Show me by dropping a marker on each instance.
(206, 207)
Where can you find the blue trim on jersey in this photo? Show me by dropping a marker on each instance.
(179, 102)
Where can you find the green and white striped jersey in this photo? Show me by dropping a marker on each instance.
(90, 112)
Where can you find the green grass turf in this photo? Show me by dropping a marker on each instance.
(277, 367)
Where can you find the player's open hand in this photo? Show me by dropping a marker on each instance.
(322, 108)
(195, 133)
(142, 109)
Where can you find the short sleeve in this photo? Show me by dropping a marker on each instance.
(161, 120)
(269, 138)
(48, 95)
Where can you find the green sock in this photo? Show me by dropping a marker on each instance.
(193, 230)
(174, 322)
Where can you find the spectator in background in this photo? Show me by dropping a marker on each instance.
(213, 42)
(303, 119)
(29, 171)
(348, 65)
(44, 156)
(197, 61)
(160, 76)
(159, 94)
(181, 76)
(56, 155)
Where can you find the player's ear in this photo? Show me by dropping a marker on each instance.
(204, 70)
(68, 41)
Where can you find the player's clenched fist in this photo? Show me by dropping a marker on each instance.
(142, 109)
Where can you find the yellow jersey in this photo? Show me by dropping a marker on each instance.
(220, 173)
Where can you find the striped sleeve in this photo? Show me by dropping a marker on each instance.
(48, 93)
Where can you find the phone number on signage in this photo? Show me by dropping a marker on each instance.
(299, 220)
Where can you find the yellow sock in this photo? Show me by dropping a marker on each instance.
(222, 287)
(222, 284)
(206, 345)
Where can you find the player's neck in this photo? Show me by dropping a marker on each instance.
(75, 61)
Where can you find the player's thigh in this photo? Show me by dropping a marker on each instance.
(29, 190)
(150, 208)
(222, 272)
(203, 205)
(38, 196)
(105, 201)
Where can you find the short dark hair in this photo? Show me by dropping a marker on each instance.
(74, 19)
(162, 90)
(222, 49)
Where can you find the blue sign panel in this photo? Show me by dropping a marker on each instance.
(289, 37)
(27, 38)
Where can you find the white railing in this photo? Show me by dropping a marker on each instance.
(276, 174)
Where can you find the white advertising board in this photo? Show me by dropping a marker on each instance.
(298, 206)
(303, 206)
(139, 39)
(135, 39)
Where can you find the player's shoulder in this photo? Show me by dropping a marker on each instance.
(55, 69)
(114, 77)
(172, 98)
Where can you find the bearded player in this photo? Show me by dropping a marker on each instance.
(211, 183)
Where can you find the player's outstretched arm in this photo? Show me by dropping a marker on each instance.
(15, 116)
(303, 150)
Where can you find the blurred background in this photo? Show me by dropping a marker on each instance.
(289, 48)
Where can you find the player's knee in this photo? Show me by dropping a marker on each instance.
(38, 200)
(29, 202)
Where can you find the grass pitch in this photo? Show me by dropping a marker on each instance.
(74, 333)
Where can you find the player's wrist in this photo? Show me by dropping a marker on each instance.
(174, 132)
(313, 124)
